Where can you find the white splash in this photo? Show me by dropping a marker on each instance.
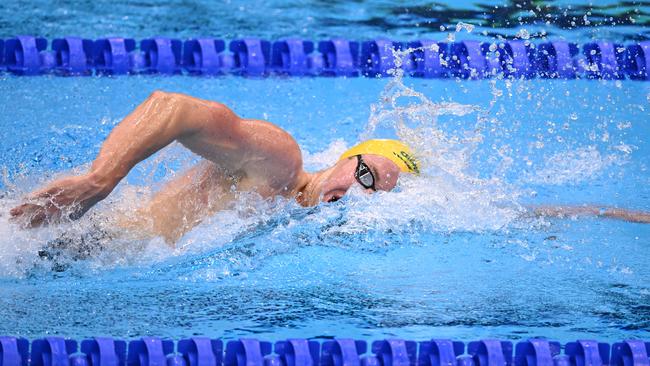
(446, 196)
(574, 166)
(326, 158)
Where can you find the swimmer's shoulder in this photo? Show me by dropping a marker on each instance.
(273, 157)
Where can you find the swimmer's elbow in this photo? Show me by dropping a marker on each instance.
(219, 121)
(188, 116)
(167, 99)
(161, 96)
(157, 94)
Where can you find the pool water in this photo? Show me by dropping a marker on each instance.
(450, 254)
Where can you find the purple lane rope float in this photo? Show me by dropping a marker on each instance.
(202, 351)
(75, 56)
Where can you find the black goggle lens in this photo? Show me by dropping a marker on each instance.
(363, 174)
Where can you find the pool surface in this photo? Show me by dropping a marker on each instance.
(450, 254)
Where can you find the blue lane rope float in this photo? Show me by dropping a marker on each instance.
(28, 55)
(290, 57)
(73, 55)
(337, 57)
(2, 54)
(201, 351)
(205, 56)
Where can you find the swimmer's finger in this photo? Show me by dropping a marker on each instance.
(23, 210)
(46, 193)
(16, 211)
(37, 219)
(29, 214)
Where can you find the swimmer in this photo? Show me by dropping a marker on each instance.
(238, 155)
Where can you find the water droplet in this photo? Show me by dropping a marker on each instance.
(624, 125)
(523, 34)
(466, 26)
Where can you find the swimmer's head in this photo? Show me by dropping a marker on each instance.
(375, 165)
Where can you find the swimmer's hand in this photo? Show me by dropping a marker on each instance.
(68, 197)
(641, 217)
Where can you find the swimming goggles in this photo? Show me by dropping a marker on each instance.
(363, 175)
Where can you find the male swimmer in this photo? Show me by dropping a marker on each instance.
(239, 155)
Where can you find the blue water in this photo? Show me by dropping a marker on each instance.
(273, 19)
(447, 254)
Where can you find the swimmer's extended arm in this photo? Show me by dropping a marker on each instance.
(597, 211)
(207, 128)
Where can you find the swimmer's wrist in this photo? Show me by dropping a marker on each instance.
(104, 183)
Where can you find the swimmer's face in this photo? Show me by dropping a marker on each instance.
(342, 177)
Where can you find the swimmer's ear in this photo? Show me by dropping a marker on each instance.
(334, 199)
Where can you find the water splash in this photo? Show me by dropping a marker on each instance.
(447, 193)
(574, 166)
(449, 197)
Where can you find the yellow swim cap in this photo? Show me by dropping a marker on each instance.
(394, 150)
